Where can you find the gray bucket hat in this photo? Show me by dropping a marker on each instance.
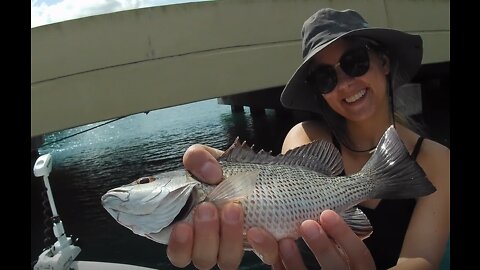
(328, 25)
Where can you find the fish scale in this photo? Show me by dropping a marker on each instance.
(306, 193)
(277, 193)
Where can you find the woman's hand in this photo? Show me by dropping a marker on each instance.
(216, 237)
(321, 238)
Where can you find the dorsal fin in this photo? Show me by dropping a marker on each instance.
(320, 156)
(241, 152)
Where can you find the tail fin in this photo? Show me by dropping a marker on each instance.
(395, 173)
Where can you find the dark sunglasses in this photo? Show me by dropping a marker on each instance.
(355, 62)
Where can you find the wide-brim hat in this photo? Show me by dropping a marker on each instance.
(328, 25)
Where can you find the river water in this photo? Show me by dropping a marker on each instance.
(85, 166)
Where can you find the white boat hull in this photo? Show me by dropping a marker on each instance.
(88, 265)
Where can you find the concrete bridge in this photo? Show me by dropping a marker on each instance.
(106, 66)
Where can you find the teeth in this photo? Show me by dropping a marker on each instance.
(356, 96)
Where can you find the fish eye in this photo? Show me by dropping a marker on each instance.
(143, 180)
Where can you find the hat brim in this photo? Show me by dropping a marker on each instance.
(406, 48)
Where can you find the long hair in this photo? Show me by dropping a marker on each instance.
(337, 123)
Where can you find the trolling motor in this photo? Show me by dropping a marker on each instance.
(61, 254)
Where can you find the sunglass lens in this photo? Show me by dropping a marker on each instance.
(325, 78)
(356, 62)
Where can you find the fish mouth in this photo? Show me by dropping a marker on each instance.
(113, 205)
(114, 198)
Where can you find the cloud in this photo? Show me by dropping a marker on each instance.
(43, 13)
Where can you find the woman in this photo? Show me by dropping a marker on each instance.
(347, 77)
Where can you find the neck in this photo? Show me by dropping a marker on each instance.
(370, 150)
(365, 136)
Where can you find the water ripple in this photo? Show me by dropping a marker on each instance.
(87, 165)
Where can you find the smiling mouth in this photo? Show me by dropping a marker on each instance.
(356, 97)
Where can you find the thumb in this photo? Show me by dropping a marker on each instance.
(200, 161)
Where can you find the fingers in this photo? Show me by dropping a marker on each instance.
(278, 265)
(201, 161)
(206, 236)
(231, 237)
(334, 244)
(204, 243)
(179, 249)
(290, 254)
(322, 247)
(356, 251)
(264, 244)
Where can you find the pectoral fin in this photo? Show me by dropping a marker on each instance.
(234, 188)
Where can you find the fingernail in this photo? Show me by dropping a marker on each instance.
(210, 171)
(311, 229)
(231, 213)
(329, 218)
(205, 212)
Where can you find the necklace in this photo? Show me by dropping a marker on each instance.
(370, 150)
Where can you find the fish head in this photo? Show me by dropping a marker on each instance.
(149, 206)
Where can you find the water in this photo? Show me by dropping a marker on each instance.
(87, 165)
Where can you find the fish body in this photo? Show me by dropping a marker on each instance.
(277, 192)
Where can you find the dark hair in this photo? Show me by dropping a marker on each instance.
(337, 123)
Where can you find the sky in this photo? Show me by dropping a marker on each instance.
(52, 11)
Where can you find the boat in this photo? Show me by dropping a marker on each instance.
(62, 254)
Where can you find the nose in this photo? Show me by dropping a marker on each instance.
(343, 80)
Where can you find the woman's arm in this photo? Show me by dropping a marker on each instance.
(429, 227)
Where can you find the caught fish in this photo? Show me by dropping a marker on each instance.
(277, 192)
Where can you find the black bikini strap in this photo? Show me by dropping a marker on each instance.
(417, 148)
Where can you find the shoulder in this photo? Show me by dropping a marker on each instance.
(304, 133)
(434, 147)
(434, 158)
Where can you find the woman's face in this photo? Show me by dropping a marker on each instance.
(356, 98)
